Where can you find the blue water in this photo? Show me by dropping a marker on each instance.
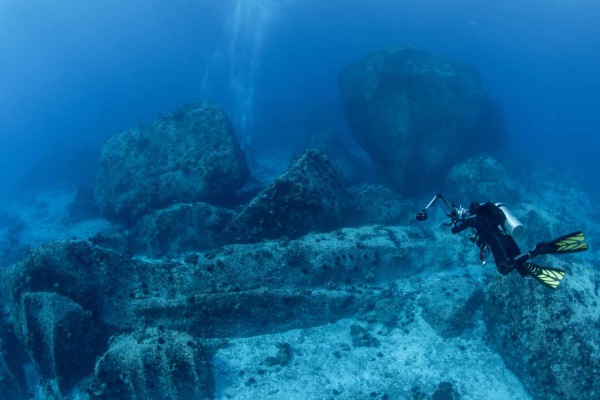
(75, 73)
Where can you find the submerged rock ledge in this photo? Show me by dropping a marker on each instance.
(114, 325)
(65, 299)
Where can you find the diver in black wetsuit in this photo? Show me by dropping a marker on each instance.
(494, 226)
(488, 220)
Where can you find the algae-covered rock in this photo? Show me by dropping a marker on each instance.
(309, 196)
(96, 279)
(415, 114)
(549, 339)
(66, 298)
(188, 156)
(231, 291)
(180, 228)
(154, 364)
(62, 338)
(482, 179)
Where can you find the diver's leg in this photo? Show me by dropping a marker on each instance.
(502, 247)
(519, 263)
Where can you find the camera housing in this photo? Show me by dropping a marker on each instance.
(421, 216)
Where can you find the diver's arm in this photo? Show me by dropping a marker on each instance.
(463, 224)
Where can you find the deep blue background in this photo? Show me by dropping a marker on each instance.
(73, 73)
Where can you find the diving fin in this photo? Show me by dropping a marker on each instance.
(571, 243)
(547, 276)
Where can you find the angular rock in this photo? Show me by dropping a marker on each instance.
(62, 338)
(482, 179)
(180, 228)
(453, 311)
(92, 277)
(154, 364)
(415, 114)
(309, 196)
(549, 339)
(373, 204)
(188, 156)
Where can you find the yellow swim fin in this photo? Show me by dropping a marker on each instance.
(547, 276)
(571, 243)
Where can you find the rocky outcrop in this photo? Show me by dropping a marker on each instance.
(65, 299)
(154, 364)
(549, 339)
(309, 196)
(188, 156)
(416, 114)
(482, 179)
(180, 228)
(62, 338)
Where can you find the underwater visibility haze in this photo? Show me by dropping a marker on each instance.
(217, 199)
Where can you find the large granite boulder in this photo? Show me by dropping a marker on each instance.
(188, 156)
(416, 114)
(309, 196)
(548, 338)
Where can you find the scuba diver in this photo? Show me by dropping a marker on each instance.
(494, 227)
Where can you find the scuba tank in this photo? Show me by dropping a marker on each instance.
(512, 224)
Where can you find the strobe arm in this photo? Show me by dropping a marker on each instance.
(422, 215)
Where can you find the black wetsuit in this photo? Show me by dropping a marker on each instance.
(488, 221)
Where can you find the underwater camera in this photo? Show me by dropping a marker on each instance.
(421, 216)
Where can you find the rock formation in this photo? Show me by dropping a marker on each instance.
(189, 156)
(482, 179)
(416, 114)
(549, 339)
(309, 196)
